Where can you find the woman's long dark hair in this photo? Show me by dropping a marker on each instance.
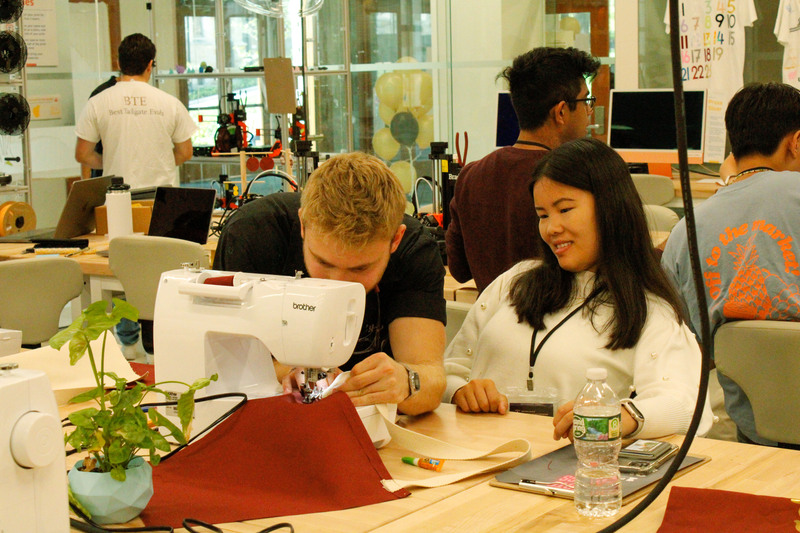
(627, 268)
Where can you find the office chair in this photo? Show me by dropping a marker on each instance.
(654, 189)
(763, 358)
(138, 261)
(660, 218)
(34, 293)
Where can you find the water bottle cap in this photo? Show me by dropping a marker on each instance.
(118, 184)
(596, 374)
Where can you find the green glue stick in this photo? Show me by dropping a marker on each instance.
(425, 462)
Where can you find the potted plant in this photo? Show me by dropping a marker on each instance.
(114, 432)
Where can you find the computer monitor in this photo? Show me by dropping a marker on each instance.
(507, 124)
(642, 125)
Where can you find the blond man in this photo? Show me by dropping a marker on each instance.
(349, 224)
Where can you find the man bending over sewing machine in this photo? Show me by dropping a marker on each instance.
(350, 225)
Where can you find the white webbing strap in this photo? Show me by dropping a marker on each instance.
(430, 447)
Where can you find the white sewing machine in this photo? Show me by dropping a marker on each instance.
(203, 326)
(33, 490)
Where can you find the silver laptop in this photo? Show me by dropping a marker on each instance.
(77, 217)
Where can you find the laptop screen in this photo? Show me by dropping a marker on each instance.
(182, 213)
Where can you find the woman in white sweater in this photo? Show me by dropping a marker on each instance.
(598, 299)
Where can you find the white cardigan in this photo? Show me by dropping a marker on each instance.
(663, 368)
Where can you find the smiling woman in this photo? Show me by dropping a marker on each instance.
(598, 299)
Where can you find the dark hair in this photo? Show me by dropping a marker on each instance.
(543, 77)
(628, 267)
(135, 53)
(760, 116)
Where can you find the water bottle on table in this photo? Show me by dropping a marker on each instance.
(597, 427)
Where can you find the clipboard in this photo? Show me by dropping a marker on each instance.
(552, 474)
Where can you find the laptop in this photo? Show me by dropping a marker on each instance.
(77, 217)
(182, 213)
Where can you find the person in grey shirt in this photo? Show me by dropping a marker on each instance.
(747, 232)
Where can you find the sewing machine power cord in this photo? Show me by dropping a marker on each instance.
(87, 524)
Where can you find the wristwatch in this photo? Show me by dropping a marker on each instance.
(413, 381)
(635, 413)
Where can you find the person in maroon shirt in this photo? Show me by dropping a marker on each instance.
(493, 222)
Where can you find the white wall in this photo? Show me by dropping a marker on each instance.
(627, 54)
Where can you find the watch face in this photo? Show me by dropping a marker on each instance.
(413, 381)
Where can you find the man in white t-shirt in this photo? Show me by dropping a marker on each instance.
(146, 132)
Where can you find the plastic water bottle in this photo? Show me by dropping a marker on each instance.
(118, 208)
(597, 427)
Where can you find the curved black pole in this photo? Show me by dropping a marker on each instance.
(680, 123)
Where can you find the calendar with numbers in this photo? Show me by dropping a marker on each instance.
(712, 52)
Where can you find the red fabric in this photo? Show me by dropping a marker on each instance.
(274, 457)
(147, 373)
(220, 280)
(692, 510)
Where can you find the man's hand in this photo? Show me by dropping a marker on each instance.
(377, 379)
(481, 396)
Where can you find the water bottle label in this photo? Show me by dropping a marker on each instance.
(596, 428)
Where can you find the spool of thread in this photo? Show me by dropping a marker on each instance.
(16, 217)
(118, 209)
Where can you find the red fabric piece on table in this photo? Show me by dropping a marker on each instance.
(692, 510)
(146, 372)
(274, 457)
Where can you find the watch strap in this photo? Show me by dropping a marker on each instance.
(413, 381)
(636, 414)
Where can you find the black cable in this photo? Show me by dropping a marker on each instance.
(271, 172)
(691, 229)
(215, 529)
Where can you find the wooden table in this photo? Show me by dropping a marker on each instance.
(474, 505)
(99, 280)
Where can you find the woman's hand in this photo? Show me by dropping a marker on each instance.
(562, 422)
(481, 396)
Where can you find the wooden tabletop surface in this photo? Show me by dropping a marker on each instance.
(474, 505)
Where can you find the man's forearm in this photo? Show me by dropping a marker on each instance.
(432, 385)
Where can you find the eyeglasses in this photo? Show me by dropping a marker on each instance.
(589, 101)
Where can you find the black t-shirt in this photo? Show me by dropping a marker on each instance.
(263, 237)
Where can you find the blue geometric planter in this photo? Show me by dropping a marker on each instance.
(110, 501)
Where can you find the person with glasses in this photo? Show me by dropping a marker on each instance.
(146, 132)
(596, 298)
(491, 212)
(349, 224)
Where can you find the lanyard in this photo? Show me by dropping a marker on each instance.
(532, 143)
(536, 349)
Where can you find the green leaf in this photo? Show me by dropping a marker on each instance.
(118, 453)
(123, 309)
(77, 347)
(167, 424)
(186, 409)
(202, 383)
(74, 501)
(159, 442)
(118, 473)
(84, 418)
(90, 394)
